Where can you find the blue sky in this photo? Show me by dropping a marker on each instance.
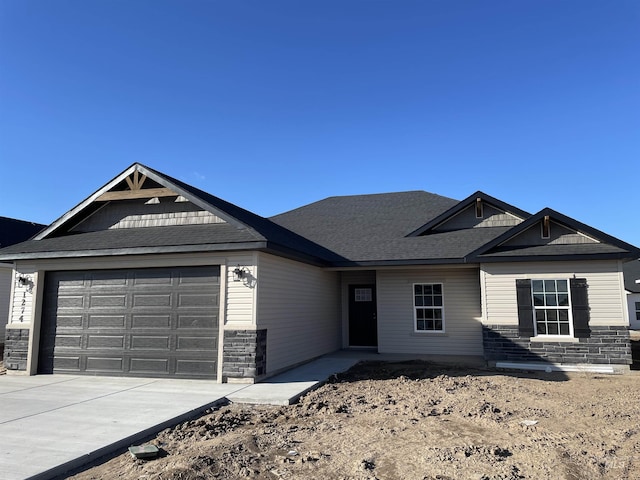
(275, 104)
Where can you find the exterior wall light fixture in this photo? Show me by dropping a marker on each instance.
(239, 273)
(24, 279)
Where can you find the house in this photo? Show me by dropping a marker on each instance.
(11, 231)
(632, 286)
(150, 276)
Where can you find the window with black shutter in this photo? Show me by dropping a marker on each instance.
(553, 307)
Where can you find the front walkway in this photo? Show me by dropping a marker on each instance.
(50, 424)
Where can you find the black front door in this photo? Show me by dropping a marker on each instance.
(363, 330)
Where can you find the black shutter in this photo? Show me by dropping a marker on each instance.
(525, 308)
(580, 307)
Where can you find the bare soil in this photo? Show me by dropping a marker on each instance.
(412, 420)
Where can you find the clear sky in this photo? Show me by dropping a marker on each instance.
(275, 104)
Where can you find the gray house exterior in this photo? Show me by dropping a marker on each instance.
(12, 231)
(150, 276)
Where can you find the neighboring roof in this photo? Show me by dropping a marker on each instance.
(356, 230)
(13, 230)
(631, 274)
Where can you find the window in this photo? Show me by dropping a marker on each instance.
(548, 307)
(638, 311)
(552, 309)
(429, 307)
(362, 295)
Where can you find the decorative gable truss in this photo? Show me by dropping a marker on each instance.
(137, 198)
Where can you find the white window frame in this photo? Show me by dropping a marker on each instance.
(568, 308)
(434, 307)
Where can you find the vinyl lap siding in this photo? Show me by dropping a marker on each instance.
(606, 293)
(463, 332)
(5, 294)
(298, 305)
(240, 297)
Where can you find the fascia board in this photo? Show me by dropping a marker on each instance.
(78, 208)
(137, 251)
(547, 258)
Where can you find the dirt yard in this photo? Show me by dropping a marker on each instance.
(412, 420)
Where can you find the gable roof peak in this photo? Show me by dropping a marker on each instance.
(462, 205)
(565, 221)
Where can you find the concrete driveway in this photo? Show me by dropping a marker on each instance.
(50, 424)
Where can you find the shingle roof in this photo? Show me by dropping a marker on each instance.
(374, 228)
(337, 231)
(631, 274)
(245, 229)
(13, 230)
(132, 238)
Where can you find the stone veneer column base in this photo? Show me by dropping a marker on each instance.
(606, 345)
(16, 349)
(244, 356)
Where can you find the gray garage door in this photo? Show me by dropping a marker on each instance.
(160, 322)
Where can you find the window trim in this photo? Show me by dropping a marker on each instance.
(568, 308)
(416, 307)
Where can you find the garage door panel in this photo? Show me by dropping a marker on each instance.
(68, 341)
(71, 301)
(157, 322)
(105, 341)
(200, 367)
(197, 321)
(105, 364)
(106, 321)
(146, 300)
(187, 343)
(70, 321)
(66, 364)
(146, 342)
(108, 301)
(197, 300)
(150, 321)
(150, 366)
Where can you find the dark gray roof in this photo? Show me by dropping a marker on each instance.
(13, 230)
(245, 230)
(338, 231)
(195, 236)
(368, 229)
(631, 274)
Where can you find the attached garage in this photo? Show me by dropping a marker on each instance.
(152, 322)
